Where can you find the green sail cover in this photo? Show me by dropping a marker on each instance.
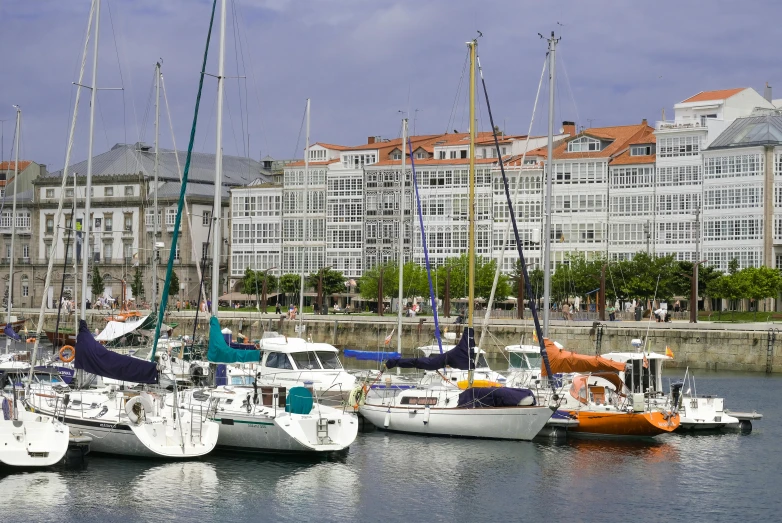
(220, 352)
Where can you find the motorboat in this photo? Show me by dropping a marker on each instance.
(447, 410)
(524, 363)
(273, 418)
(294, 361)
(696, 412)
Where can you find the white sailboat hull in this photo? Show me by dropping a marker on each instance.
(158, 435)
(32, 440)
(513, 423)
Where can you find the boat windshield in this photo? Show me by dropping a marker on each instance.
(524, 360)
(482, 362)
(306, 360)
(49, 379)
(143, 353)
(329, 359)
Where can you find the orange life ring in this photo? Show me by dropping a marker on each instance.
(67, 353)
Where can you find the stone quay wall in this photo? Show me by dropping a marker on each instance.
(708, 346)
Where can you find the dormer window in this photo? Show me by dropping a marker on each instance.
(583, 145)
(640, 150)
(397, 155)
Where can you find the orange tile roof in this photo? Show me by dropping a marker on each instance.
(626, 159)
(435, 161)
(331, 146)
(705, 96)
(9, 165)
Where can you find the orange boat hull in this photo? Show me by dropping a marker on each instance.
(623, 423)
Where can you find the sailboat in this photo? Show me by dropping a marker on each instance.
(145, 422)
(258, 418)
(27, 439)
(445, 409)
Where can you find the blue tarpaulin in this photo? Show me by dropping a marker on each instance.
(220, 352)
(478, 397)
(93, 357)
(460, 357)
(370, 355)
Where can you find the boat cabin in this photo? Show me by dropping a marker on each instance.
(297, 354)
(644, 370)
(523, 357)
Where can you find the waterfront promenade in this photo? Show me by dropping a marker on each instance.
(706, 345)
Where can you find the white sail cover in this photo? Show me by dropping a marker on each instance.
(117, 329)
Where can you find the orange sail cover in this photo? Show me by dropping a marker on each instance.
(566, 361)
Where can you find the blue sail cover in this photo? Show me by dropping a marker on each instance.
(370, 355)
(220, 352)
(93, 357)
(460, 357)
(9, 331)
(479, 397)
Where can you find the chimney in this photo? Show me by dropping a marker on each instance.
(644, 122)
(767, 93)
(569, 128)
(370, 139)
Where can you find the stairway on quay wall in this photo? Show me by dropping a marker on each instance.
(709, 346)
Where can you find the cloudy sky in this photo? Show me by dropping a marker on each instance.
(363, 61)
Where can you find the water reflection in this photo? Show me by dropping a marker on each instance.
(33, 494)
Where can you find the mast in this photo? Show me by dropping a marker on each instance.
(157, 166)
(88, 187)
(401, 241)
(473, 45)
(546, 240)
(75, 258)
(217, 208)
(304, 219)
(13, 223)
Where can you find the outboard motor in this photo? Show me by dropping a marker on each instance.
(676, 389)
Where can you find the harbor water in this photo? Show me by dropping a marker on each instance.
(725, 476)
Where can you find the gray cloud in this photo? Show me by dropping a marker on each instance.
(362, 61)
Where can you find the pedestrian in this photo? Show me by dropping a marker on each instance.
(611, 313)
(178, 305)
(277, 309)
(566, 312)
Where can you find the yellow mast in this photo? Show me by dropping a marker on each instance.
(471, 235)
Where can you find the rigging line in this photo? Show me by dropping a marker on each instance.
(209, 124)
(432, 295)
(252, 72)
(533, 309)
(237, 45)
(193, 247)
(148, 106)
(178, 221)
(233, 129)
(570, 89)
(506, 237)
(298, 139)
(103, 121)
(452, 116)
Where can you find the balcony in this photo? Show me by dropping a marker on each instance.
(23, 261)
(683, 125)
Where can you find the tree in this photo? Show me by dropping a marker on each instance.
(97, 283)
(137, 285)
(252, 282)
(290, 284)
(647, 277)
(173, 286)
(333, 281)
(733, 266)
(718, 288)
(484, 278)
(761, 283)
